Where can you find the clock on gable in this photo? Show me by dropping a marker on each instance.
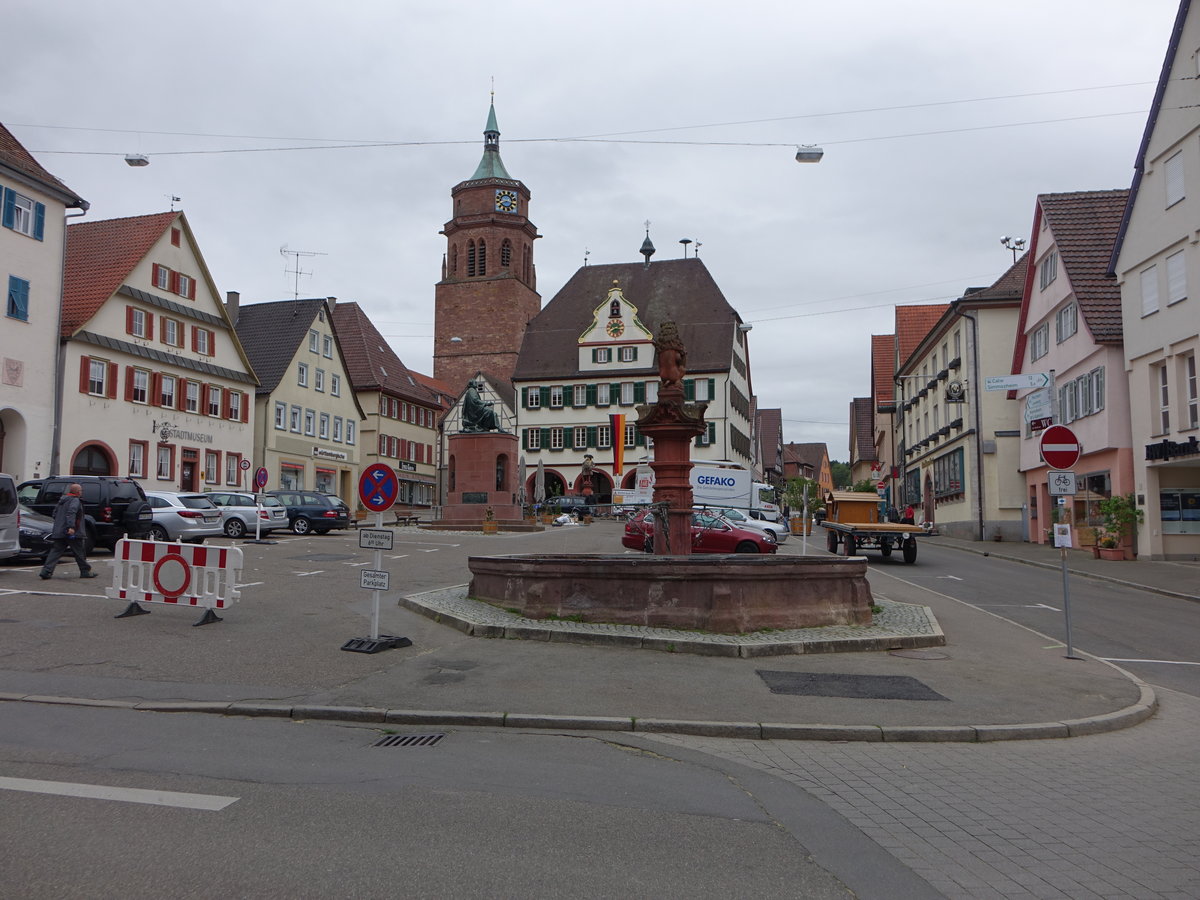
(615, 328)
(506, 201)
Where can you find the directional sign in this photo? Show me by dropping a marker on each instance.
(261, 476)
(1039, 424)
(375, 539)
(1060, 448)
(1038, 405)
(378, 487)
(373, 579)
(1016, 382)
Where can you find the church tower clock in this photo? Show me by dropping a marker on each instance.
(488, 292)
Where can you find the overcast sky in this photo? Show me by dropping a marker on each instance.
(941, 121)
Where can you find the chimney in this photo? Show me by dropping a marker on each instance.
(233, 301)
(332, 301)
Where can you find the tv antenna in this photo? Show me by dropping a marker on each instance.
(297, 271)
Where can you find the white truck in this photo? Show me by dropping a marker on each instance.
(712, 485)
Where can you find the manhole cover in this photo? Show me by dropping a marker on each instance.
(859, 687)
(918, 654)
(409, 740)
(322, 557)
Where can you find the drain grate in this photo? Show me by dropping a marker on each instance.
(860, 687)
(409, 740)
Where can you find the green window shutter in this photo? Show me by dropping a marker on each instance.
(591, 436)
(639, 392)
(545, 391)
(545, 438)
(635, 350)
(712, 389)
(591, 395)
(614, 393)
(595, 354)
(525, 439)
(689, 389)
(525, 397)
(712, 432)
(639, 439)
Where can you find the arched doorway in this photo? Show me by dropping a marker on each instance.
(92, 460)
(601, 485)
(555, 486)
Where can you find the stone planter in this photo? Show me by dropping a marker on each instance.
(489, 527)
(1111, 552)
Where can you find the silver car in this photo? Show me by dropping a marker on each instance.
(741, 520)
(241, 513)
(182, 517)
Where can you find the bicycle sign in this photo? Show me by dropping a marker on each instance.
(1062, 484)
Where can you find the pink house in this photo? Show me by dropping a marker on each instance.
(1070, 329)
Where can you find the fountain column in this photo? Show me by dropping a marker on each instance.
(673, 425)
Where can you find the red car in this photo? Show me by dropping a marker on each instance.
(710, 534)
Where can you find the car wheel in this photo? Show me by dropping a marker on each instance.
(235, 528)
(301, 525)
(746, 547)
(156, 533)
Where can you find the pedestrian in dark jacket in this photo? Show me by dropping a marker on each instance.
(67, 534)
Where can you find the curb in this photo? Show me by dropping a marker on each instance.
(1178, 595)
(1131, 715)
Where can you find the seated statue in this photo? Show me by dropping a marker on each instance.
(478, 414)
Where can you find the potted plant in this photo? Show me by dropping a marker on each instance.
(489, 521)
(1119, 514)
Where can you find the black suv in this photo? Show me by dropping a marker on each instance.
(116, 504)
(313, 511)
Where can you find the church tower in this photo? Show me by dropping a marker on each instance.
(488, 292)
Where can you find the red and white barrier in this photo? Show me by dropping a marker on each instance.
(179, 574)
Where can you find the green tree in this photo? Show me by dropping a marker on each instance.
(841, 474)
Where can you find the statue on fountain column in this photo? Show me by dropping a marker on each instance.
(477, 413)
(672, 355)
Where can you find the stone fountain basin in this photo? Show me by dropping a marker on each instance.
(730, 594)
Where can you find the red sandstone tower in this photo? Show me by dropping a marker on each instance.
(488, 293)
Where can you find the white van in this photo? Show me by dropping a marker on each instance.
(10, 518)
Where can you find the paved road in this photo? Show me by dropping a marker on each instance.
(1155, 637)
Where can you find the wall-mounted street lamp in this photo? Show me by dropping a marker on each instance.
(136, 160)
(809, 153)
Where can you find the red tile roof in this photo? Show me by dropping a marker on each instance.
(913, 323)
(100, 256)
(883, 369)
(1085, 225)
(14, 155)
(370, 362)
(862, 430)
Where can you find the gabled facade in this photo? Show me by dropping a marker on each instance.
(402, 415)
(863, 459)
(588, 358)
(1070, 329)
(958, 444)
(883, 410)
(809, 461)
(34, 205)
(1157, 266)
(770, 445)
(156, 384)
(307, 412)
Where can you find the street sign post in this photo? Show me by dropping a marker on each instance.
(378, 489)
(1019, 382)
(1060, 448)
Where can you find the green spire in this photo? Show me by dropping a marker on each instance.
(491, 166)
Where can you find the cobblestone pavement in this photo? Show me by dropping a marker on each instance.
(1114, 815)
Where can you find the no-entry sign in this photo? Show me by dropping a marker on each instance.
(1060, 447)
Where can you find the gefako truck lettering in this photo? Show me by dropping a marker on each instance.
(712, 479)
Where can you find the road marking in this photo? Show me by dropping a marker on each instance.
(1043, 606)
(302, 574)
(126, 795)
(955, 577)
(434, 550)
(401, 556)
(357, 564)
(251, 584)
(1165, 662)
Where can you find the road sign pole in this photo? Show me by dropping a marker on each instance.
(375, 594)
(1067, 602)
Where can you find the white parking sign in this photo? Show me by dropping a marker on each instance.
(373, 579)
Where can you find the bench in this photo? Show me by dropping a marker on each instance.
(363, 519)
(406, 519)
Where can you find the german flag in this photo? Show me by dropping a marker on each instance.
(618, 442)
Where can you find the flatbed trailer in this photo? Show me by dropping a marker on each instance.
(852, 520)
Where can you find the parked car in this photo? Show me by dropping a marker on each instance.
(557, 505)
(10, 518)
(27, 491)
(35, 534)
(116, 504)
(739, 519)
(313, 511)
(242, 513)
(182, 517)
(710, 534)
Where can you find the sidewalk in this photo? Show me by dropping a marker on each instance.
(1172, 579)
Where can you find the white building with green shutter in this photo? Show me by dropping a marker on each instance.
(589, 357)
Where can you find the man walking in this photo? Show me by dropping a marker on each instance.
(67, 534)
